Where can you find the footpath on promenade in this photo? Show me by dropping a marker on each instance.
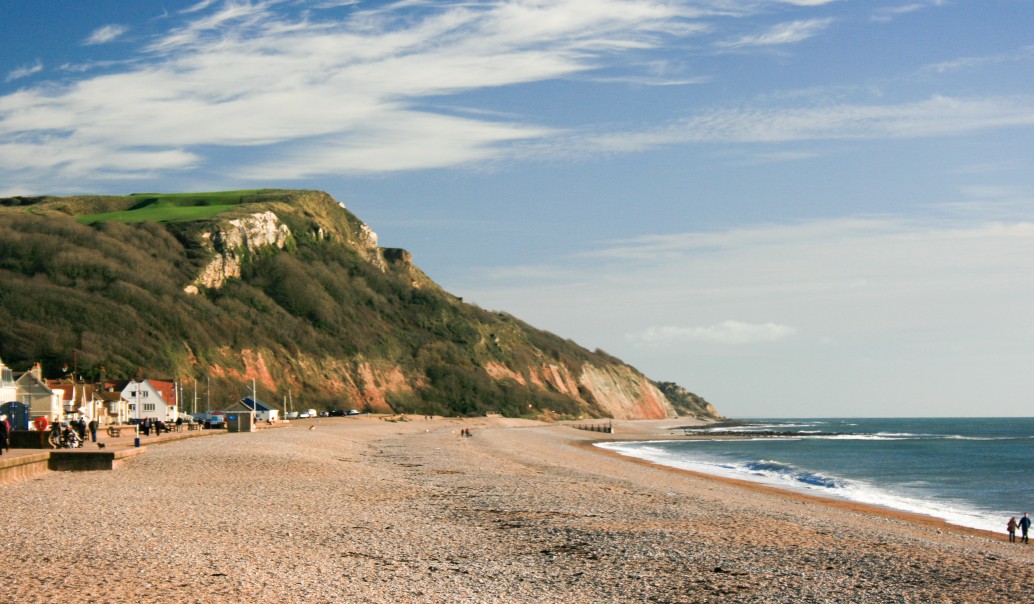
(105, 454)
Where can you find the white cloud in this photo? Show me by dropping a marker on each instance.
(886, 14)
(103, 35)
(24, 71)
(301, 97)
(847, 279)
(412, 140)
(971, 63)
(200, 6)
(345, 95)
(936, 116)
(912, 313)
(726, 332)
(783, 33)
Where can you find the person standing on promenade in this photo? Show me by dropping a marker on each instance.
(93, 430)
(1011, 527)
(55, 431)
(1025, 526)
(5, 434)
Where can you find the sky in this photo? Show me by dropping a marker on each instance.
(793, 208)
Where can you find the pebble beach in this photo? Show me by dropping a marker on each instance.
(363, 509)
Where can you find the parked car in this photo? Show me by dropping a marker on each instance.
(292, 415)
(353, 412)
(337, 413)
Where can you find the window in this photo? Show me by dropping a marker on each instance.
(148, 406)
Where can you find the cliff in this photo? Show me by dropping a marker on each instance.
(290, 289)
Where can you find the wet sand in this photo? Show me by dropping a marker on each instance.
(367, 510)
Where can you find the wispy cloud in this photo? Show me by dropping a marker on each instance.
(300, 97)
(24, 71)
(936, 116)
(970, 63)
(783, 33)
(886, 14)
(344, 96)
(103, 35)
(200, 6)
(853, 278)
(726, 332)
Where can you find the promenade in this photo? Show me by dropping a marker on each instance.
(105, 454)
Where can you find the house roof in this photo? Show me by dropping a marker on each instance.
(110, 397)
(165, 388)
(29, 380)
(81, 391)
(256, 404)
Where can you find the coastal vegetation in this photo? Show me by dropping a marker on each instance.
(323, 316)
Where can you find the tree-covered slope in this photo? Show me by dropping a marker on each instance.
(286, 288)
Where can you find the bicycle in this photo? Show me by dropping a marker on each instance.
(66, 438)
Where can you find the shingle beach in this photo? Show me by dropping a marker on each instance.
(369, 510)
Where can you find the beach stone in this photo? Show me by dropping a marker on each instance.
(524, 512)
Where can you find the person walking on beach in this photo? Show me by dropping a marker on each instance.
(1024, 527)
(1011, 527)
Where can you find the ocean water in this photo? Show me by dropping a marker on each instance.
(974, 472)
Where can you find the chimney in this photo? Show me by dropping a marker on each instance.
(37, 371)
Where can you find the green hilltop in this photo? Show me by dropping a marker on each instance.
(174, 207)
(287, 288)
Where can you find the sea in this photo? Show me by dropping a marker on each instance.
(973, 472)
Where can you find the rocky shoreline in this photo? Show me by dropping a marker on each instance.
(366, 510)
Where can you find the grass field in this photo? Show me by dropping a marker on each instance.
(174, 207)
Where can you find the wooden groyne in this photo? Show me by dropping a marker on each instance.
(607, 428)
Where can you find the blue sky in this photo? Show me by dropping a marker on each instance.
(790, 207)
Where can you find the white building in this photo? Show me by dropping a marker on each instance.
(8, 389)
(155, 399)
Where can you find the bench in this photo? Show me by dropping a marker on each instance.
(116, 431)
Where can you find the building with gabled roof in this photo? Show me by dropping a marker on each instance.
(155, 399)
(42, 401)
(263, 412)
(81, 398)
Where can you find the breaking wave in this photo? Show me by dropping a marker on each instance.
(788, 476)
